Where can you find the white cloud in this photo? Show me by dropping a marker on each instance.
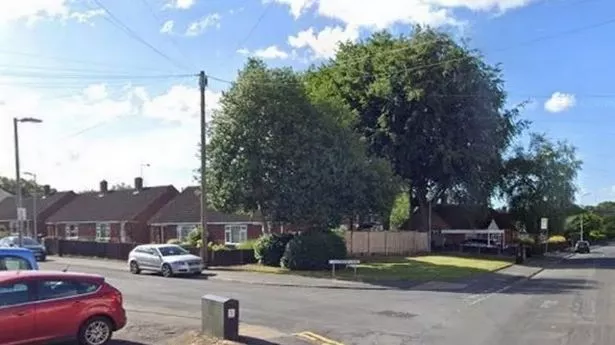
(198, 27)
(180, 4)
(167, 27)
(560, 102)
(104, 133)
(96, 92)
(323, 44)
(271, 52)
(35, 10)
(85, 17)
(373, 15)
(380, 14)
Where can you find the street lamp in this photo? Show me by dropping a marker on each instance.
(143, 165)
(19, 208)
(34, 213)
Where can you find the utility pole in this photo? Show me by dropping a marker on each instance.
(19, 203)
(34, 211)
(202, 86)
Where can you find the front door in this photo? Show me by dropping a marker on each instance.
(16, 314)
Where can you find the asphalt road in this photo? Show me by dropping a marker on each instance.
(568, 304)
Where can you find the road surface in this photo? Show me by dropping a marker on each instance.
(567, 304)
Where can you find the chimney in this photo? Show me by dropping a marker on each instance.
(139, 183)
(103, 186)
(46, 190)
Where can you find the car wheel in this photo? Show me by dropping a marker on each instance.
(166, 270)
(134, 267)
(95, 331)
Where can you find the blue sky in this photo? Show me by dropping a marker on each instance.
(73, 65)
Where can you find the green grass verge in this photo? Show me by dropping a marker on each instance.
(419, 268)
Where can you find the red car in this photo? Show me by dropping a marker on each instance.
(37, 307)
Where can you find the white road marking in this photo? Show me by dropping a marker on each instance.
(547, 304)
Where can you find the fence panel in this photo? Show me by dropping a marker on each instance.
(386, 242)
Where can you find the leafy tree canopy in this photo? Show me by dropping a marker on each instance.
(539, 181)
(28, 187)
(275, 151)
(430, 106)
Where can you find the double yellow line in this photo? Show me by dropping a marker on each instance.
(318, 339)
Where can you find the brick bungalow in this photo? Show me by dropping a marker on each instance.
(46, 205)
(453, 224)
(110, 215)
(182, 215)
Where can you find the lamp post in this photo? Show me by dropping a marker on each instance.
(143, 165)
(34, 211)
(19, 205)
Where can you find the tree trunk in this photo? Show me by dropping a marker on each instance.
(421, 196)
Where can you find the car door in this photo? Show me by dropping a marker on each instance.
(58, 307)
(153, 258)
(16, 313)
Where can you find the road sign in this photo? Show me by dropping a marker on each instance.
(544, 223)
(21, 213)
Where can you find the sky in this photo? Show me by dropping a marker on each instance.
(115, 83)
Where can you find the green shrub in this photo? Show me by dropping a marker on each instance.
(268, 249)
(217, 247)
(247, 244)
(194, 237)
(557, 239)
(174, 241)
(313, 250)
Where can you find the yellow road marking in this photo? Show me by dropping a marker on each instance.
(319, 339)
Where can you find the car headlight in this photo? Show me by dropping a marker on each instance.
(179, 263)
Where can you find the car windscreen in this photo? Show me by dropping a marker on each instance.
(29, 242)
(14, 263)
(172, 250)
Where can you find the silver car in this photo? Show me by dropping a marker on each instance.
(168, 259)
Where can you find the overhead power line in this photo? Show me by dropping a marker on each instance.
(132, 34)
(351, 62)
(173, 41)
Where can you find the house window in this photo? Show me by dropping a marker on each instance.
(103, 232)
(184, 230)
(71, 232)
(234, 234)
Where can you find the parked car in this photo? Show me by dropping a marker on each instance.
(43, 306)
(582, 247)
(168, 259)
(39, 250)
(16, 259)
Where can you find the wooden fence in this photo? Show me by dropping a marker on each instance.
(120, 251)
(386, 242)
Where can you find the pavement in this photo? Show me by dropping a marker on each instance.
(435, 313)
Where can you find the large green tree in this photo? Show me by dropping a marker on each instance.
(539, 181)
(275, 152)
(28, 186)
(432, 107)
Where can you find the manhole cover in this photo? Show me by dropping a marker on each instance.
(398, 314)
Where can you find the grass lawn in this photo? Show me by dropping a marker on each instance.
(419, 268)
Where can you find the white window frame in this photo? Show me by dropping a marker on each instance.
(241, 231)
(99, 229)
(183, 230)
(71, 234)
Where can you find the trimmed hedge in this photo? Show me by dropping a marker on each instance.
(313, 250)
(268, 249)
